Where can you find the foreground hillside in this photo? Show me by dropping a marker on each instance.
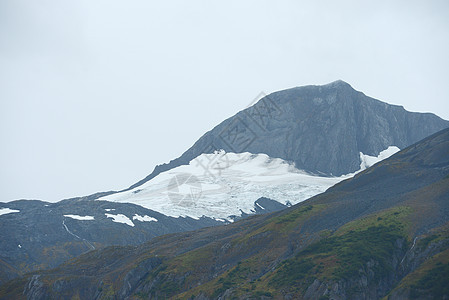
(383, 233)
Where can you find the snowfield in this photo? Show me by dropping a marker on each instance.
(119, 218)
(4, 211)
(368, 161)
(222, 184)
(144, 218)
(81, 218)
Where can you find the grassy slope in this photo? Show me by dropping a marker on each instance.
(431, 278)
(334, 256)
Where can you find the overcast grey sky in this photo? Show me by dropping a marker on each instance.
(94, 94)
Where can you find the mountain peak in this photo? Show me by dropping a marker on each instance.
(320, 128)
(338, 84)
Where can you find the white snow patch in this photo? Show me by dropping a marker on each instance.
(367, 161)
(4, 211)
(144, 218)
(221, 184)
(81, 218)
(109, 209)
(120, 219)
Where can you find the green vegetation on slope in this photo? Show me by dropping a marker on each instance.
(435, 282)
(258, 249)
(368, 241)
(431, 279)
(348, 254)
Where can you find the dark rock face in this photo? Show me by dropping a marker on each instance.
(320, 128)
(132, 278)
(264, 205)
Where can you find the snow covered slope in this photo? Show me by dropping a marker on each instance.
(368, 161)
(221, 185)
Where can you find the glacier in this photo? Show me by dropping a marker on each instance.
(221, 185)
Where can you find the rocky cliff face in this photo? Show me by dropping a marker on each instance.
(321, 129)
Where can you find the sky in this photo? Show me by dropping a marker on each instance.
(95, 94)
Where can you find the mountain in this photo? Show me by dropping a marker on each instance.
(330, 131)
(382, 233)
(321, 129)
(289, 146)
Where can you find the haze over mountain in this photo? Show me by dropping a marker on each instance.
(287, 147)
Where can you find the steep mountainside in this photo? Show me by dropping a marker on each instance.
(322, 129)
(382, 233)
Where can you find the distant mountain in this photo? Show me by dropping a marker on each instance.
(322, 129)
(382, 233)
(270, 157)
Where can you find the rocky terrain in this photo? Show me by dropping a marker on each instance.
(383, 233)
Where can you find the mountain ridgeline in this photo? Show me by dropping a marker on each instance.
(322, 129)
(382, 233)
